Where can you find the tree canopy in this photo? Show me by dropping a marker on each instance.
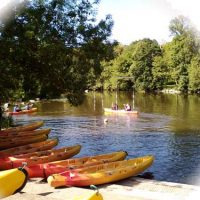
(152, 67)
(53, 47)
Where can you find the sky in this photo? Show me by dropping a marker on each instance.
(138, 19)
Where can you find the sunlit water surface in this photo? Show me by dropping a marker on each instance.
(167, 127)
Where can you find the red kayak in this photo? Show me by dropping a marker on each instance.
(23, 112)
(47, 169)
(39, 157)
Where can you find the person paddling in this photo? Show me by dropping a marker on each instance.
(127, 107)
(114, 106)
(16, 108)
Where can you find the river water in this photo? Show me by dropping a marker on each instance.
(167, 127)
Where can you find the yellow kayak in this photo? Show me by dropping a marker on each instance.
(94, 195)
(12, 181)
(90, 195)
(101, 174)
(120, 111)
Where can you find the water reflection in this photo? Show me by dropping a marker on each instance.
(167, 127)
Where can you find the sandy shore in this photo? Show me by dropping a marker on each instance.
(129, 189)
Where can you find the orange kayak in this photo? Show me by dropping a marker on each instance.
(23, 112)
(101, 174)
(39, 146)
(47, 169)
(39, 157)
(15, 142)
(27, 127)
(24, 134)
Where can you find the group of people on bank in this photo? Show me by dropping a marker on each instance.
(127, 107)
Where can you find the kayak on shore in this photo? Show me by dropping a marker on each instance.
(39, 146)
(14, 142)
(39, 157)
(101, 174)
(26, 127)
(47, 169)
(12, 181)
(13, 135)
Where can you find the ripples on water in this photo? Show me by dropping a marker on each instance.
(176, 155)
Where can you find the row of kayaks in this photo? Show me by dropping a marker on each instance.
(57, 165)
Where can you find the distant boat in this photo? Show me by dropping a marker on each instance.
(23, 112)
(120, 111)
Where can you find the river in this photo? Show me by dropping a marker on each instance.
(167, 127)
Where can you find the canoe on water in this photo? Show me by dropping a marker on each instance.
(12, 181)
(101, 174)
(27, 127)
(47, 169)
(14, 142)
(39, 157)
(120, 111)
(24, 134)
(32, 110)
(39, 146)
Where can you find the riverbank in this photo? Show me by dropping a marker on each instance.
(129, 189)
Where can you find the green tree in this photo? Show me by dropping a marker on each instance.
(180, 25)
(142, 64)
(179, 52)
(194, 74)
(55, 47)
(160, 72)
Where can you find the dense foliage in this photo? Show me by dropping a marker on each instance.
(52, 47)
(144, 65)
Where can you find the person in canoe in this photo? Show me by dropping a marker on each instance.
(127, 107)
(114, 106)
(28, 106)
(6, 107)
(17, 108)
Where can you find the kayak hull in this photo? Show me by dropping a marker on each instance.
(27, 127)
(101, 174)
(22, 141)
(111, 111)
(24, 112)
(39, 146)
(47, 169)
(12, 135)
(39, 157)
(12, 181)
